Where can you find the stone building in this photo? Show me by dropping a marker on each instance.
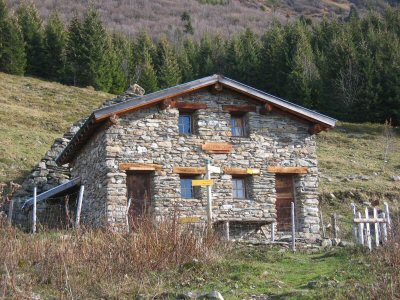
(150, 149)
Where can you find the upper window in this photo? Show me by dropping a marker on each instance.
(238, 126)
(187, 188)
(185, 124)
(239, 188)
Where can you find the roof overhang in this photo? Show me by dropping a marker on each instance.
(98, 117)
(56, 191)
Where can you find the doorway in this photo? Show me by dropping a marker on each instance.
(284, 198)
(139, 190)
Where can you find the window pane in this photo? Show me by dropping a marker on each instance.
(238, 188)
(184, 124)
(237, 125)
(186, 189)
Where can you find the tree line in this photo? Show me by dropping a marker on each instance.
(349, 69)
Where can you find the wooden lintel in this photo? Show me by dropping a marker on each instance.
(189, 105)
(217, 147)
(165, 103)
(239, 108)
(316, 128)
(235, 171)
(139, 167)
(189, 170)
(287, 170)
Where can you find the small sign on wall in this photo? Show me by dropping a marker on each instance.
(253, 171)
(204, 182)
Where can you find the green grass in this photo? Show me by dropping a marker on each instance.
(267, 271)
(33, 113)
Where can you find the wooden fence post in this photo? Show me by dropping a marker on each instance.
(384, 228)
(353, 206)
(376, 228)
(322, 224)
(273, 231)
(334, 224)
(10, 212)
(293, 230)
(227, 237)
(387, 216)
(127, 214)
(79, 206)
(368, 231)
(361, 230)
(34, 210)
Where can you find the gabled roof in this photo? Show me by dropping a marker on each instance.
(56, 191)
(99, 116)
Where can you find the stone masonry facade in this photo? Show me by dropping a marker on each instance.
(150, 136)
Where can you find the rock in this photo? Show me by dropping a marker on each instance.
(375, 174)
(364, 178)
(312, 284)
(326, 243)
(346, 244)
(395, 178)
(335, 242)
(211, 295)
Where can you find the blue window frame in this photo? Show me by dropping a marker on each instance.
(239, 188)
(185, 124)
(186, 188)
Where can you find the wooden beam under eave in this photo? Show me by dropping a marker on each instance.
(165, 103)
(139, 167)
(188, 105)
(316, 128)
(189, 170)
(235, 171)
(239, 108)
(287, 170)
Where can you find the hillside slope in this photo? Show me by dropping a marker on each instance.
(33, 113)
(226, 18)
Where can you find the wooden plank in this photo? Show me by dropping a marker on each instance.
(189, 105)
(287, 170)
(139, 167)
(189, 170)
(203, 182)
(239, 108)
(241, 171)
(217, 147)
(235, 171)
(185, 220)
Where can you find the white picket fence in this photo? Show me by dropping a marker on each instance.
(371, 230)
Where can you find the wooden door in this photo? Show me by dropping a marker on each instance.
(284, 199)
(138, 185)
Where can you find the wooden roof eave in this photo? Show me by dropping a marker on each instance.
(282, 104)
(154, 98)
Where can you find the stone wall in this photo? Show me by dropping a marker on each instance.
(91, 166)
(151, 136)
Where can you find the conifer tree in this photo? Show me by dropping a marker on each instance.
(54, 48)
(32, 31)
(74, 52)
(142, 66)
(121, 54)
(169, 73)
(185, 65)
(89, 52)
(12, 50)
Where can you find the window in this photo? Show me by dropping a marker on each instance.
(187, 191)
(185, 124)
(238, 126)
(239, 188)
